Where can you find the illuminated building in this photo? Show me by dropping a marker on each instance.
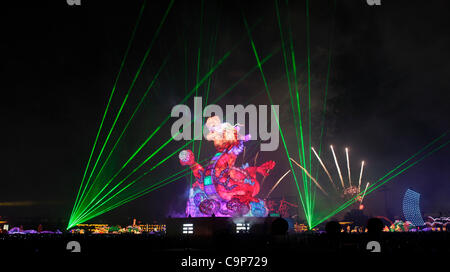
(152, 228)
(300, 227)
(411, 209)
(94, 228)
(4, 226)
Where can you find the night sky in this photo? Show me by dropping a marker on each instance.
(388, 93)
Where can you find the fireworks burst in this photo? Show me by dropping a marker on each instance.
(351, 190)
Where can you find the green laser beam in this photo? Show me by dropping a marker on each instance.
(124, 179)
(300, 127)
(198, 70)
(87, 217)
(131, 183)
(148, 139)
(308, 50)
(288, 77)
(109, 101)
(130, 88)
(167, 118)
(270, 99)
(144, 191)
(127, 124)
(330, 48)
(297, 123)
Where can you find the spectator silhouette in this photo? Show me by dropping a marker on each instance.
(333, 228)
(374, 227)
(279, 226)
(333, 236)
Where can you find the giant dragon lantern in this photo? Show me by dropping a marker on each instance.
(221, 188)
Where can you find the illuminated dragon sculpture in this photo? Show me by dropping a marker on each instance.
(221, 188)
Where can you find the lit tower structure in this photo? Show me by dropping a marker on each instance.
(411, 208)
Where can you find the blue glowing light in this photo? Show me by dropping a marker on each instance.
(411, 208)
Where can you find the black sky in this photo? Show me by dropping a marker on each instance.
(388, 91)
